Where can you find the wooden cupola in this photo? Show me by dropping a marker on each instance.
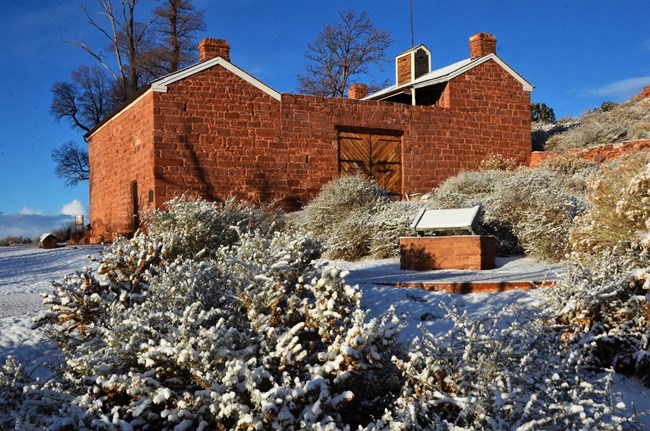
(411, 64)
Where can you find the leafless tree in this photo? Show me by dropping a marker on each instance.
(136, 53)
(129, 41)
(177, 21)
(84, 101)
(342, 52)
(71, 163)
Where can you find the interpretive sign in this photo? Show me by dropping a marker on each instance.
(460, 219)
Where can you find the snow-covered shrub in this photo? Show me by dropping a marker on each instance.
(470, 188)
(627, 121)
(506, 372)
(386, 226)
(498, 162)
(354, 218)
(539, 210)
(527, 210)
(619, 206)
(604, 301)
(573, 171)
(567, 164)
(603, 309)
(12, 382)
(250, 336)
(192, 226)
(341, 199)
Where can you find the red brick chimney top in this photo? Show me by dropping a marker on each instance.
(211, 48)
(482, 44)
(357, 91)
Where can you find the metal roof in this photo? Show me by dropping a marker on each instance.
(447, 73)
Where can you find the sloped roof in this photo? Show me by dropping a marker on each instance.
(415, 48)
(161, 84)
(447, 73)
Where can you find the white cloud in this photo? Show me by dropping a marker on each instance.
(74, 208)
(621, 90)
(32, 223)
(27, 211)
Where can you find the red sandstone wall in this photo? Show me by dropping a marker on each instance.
(119, 153)
(217, 136)
(599, 153)
(309, 125)
(491, 113)
(488, 112)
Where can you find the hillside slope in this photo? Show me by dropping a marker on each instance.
(610, 123)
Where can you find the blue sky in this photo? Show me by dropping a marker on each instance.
(577, 53)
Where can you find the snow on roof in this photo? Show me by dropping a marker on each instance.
(415, 48)
(447, 73)
(45, 235)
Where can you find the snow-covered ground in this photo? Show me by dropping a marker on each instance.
(27, 271)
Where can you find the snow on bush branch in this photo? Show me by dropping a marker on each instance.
(233, 327)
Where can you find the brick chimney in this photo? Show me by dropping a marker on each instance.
(482, 44)
(211, 48)
(357, 91)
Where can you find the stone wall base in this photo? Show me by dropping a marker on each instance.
(447, 252)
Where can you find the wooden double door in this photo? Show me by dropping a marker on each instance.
(376, 155)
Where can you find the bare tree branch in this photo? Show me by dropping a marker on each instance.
(140, 51)
(85, 101)
(71, 163)
(342, 52)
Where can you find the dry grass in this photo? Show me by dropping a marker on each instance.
(627, 121)
(619, 206)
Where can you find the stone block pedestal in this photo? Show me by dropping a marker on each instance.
(447, 252)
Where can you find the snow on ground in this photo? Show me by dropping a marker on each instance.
(27, 271)
(421, 307)
(506, 269)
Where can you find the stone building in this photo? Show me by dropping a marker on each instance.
(214, 130)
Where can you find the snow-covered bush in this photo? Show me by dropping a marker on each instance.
(603, 304)
(387, 225)
(529, 210)
(12, 382)
(603, 309)
(341, 199)
(619, 206)
(506, 372)
(539, 210)
(567, 164)
(496, 162)
(196, 225)
(626, 121)
(573, 171)
(354, 218)
(470, 188)
(250, 336)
